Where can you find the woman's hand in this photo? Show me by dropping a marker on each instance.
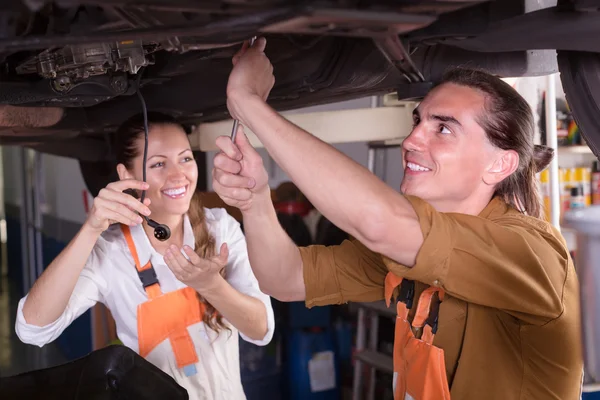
(113, 206)
(252, 75)
(201, 274)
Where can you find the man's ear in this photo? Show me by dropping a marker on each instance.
(123, 172)
(505, 164)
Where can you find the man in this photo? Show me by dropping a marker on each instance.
(465, 231)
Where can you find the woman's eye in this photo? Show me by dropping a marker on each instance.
(444, 130)
(187, 159)
(415, 122)
(157, 165)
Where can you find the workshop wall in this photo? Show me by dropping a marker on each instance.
(61, 189)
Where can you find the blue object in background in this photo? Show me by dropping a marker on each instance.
(343, 341)
(76, 341)
(259, 361)
(260, 369)
(265, 387)
(591, 396)
(13, 252)
(301, 317)
(302, 346)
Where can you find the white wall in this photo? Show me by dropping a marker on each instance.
(64, 188)
(61, 184)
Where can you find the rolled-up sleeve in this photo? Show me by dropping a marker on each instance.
(510, 262)
(338, 274)
(88, 291)
(241, 277)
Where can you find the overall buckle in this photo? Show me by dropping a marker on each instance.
(148, 277)
(407, 293)
(432, 319)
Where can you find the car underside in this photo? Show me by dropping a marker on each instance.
(70, 68)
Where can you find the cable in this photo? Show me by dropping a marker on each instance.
(161, 231)
(146, 129)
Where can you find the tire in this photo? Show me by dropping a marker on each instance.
(97, 174)
(580, 76)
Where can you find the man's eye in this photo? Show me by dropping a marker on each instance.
(443, 129)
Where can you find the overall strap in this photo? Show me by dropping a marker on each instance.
(146, 273)
(427, 313)
(405, 297)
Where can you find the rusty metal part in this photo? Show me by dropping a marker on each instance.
(29, 117)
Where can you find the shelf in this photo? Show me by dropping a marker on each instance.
(574, 150)
(591, 387)
(379, 307)
(377, 360)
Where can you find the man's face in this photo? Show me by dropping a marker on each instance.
(447, 153)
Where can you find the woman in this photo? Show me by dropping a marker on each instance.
(187, 323)
(488, 301)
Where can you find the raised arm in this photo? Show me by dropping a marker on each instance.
(344, 191)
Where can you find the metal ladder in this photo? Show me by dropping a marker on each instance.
(366, 353)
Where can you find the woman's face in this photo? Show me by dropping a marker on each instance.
(171, 169)
(448, 160)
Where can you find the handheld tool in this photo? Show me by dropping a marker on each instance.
(235, 121)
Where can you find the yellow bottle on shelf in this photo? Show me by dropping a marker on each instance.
(545, 192)
(566, 185)
(583, 178)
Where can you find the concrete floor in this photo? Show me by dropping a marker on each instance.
(15, 356)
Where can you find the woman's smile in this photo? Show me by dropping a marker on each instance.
(175, 193)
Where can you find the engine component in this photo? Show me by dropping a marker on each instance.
(70, 64)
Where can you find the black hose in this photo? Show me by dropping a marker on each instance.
(145, 114)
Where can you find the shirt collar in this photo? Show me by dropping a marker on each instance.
(188, 233)
(496, 207)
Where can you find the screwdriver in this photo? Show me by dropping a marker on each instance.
(235, 121)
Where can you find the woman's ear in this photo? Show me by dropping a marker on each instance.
(123, 172)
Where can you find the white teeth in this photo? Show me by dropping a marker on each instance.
(416, 167)
(174, 192)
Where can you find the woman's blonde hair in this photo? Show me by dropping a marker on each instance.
(205, 247)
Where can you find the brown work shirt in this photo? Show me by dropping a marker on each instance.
(509, 324)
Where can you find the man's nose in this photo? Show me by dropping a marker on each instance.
(415, 141)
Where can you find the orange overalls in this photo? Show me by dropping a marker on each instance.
(419, 369)
(166, 315)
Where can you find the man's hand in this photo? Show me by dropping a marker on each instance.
(239, 176)
(252, 75)
(201, 274)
